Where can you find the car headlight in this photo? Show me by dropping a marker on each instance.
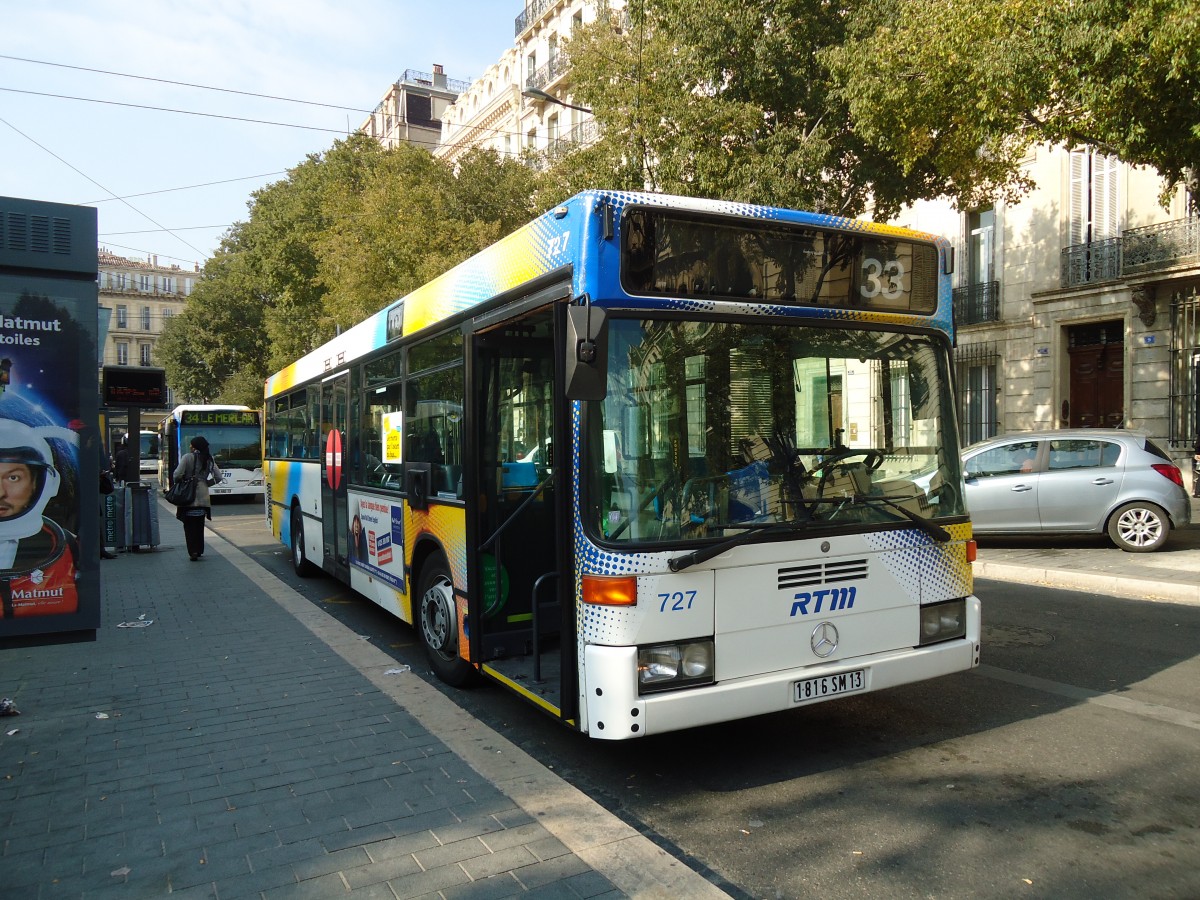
(664, 667)
(943, 621)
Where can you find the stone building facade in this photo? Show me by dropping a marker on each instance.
(522, 106)
(1077, 306)
(140, 297)
(412, 108)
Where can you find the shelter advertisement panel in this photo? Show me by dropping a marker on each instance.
(50, 443)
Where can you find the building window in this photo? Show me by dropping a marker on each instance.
(1185, 369)
(122, 315)
(168, 284)
(144, 354)
(981, 231)
(976, 366)
(143, 282)
(119, 281)
(145, 318)
(122, 353)
(167, 313)
(1094, 214)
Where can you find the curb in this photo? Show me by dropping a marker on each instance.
(1111, 585)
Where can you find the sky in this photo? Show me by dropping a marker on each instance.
(184, 178)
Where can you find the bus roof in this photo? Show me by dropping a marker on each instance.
(549, 243)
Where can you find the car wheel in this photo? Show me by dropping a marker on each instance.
(300, 562)
(1139, 527)
(437, 624)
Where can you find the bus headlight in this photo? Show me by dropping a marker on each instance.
(664, 667)
(943, 621)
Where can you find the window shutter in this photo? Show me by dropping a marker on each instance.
(1105, 216)
(1077, 201)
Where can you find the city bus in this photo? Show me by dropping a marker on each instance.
(234, 435)
(650, 462)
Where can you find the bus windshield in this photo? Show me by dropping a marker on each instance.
(232, 446)
(713, 429)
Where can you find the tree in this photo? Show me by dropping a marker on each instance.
(731, 100)
(961, 89)
(219, 339)
(872, 104)
(411, 219)
(344, 234)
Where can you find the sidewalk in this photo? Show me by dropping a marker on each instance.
(223, 738)
(1094, 564)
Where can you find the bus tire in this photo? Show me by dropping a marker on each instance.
(437, 624)
(300, 563)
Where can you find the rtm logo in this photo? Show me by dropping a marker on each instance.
(839, 598)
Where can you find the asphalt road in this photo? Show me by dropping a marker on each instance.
(1066, 766)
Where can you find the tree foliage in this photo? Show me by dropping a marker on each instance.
(730, 100)
(878, 103)
(344, 234)
(961, 89)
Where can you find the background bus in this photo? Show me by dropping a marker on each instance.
(651, 462)
(234, 435)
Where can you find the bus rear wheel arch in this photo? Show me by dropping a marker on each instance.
(436, 622)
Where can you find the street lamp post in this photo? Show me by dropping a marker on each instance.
(535, 94)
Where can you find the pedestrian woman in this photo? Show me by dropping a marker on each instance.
(197, 463)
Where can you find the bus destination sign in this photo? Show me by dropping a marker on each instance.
(218, 417)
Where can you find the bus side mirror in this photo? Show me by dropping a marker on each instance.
(586, 369)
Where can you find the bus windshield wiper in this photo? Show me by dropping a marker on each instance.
(931, 528)
(752, 532)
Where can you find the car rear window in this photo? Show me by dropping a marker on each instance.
(1158, 451)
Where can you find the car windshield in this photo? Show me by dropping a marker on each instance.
(710, 430)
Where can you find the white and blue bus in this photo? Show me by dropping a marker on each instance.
(650, 462)
(234, 435)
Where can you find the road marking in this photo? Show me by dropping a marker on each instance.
(1155, 711)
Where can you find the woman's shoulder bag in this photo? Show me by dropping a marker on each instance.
(182, 492)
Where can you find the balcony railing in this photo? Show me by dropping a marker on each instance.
(1156, 247)
(530, 14)
(580, 136)
(977, 303)
(1090, 263)
(548, 72)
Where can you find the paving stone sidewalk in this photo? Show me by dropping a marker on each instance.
(208, 743)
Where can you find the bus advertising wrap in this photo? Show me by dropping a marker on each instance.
(49, 444)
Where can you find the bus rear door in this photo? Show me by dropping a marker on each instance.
(335, 525)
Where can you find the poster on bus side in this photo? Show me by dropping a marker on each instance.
(376, 540)
(50, 445)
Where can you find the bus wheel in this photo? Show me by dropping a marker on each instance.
(437, 624)
(299, 561)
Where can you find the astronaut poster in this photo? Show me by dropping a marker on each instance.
(49, 440)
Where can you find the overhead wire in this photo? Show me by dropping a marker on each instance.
(467, 138)
(98, 184)
(203, 87)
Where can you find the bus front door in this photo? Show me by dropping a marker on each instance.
(521, 566)
(335, 524)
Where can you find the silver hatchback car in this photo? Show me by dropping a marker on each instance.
(1074, 481)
